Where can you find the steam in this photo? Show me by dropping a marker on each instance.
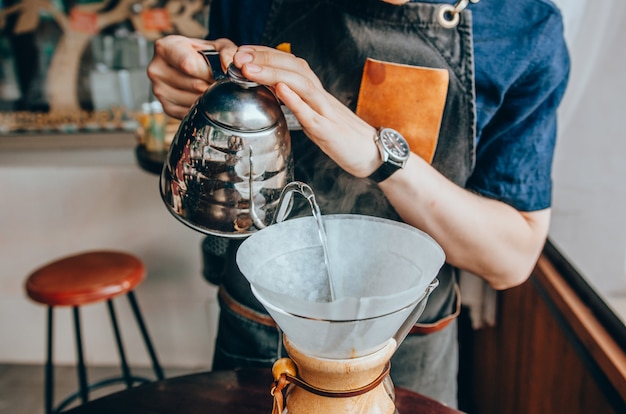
(338, 192)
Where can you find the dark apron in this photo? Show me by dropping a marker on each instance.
(335, 37)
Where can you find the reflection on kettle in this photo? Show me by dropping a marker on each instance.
(230, 158)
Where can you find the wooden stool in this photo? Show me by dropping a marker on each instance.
(83, 279)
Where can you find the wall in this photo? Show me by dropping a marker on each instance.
(60, 202)
(589, 224)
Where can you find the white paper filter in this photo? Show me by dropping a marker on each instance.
(383, 272)
(378, 266)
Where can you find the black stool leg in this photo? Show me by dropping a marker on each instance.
(49, 387)
(155, 363)
(82, 371)
(118, 339)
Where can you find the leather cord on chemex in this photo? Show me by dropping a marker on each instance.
(285, 373)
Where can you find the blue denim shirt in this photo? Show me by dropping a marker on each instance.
(522, 68)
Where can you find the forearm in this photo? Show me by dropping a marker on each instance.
(484, 236)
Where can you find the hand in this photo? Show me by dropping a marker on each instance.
(342, 135)
(179, 74)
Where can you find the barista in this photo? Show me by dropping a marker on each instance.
(480, 185)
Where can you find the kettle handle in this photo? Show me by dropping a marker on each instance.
(212, 58)
(285, 202)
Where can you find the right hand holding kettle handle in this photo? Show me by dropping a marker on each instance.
(212, 58)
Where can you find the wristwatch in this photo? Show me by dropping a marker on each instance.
(394, 151)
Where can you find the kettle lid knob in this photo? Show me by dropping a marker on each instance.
(234, 73)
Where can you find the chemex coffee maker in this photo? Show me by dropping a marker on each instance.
(380, 275)
(344, 289)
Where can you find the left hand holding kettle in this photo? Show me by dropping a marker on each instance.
(179, 74)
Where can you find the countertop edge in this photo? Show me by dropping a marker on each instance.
(61, 141)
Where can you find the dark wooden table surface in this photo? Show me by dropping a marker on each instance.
(233, 392)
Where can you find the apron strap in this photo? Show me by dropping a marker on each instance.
(428, 328)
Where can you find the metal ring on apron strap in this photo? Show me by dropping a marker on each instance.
(448, 15)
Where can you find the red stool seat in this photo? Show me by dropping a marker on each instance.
(85, 278)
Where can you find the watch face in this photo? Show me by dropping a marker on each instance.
(395, 143)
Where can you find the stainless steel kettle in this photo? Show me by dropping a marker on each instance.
(230, 158)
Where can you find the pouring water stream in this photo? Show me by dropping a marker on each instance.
(285, 204)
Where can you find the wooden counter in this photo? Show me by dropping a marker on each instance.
(222, 392)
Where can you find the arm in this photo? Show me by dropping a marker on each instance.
(484, 236)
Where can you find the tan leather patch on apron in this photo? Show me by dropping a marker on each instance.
(409, 99)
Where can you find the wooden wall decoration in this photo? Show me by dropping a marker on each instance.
(78, 26)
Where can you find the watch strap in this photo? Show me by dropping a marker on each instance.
(384, 171)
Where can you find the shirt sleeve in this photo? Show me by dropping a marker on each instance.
(515, 144)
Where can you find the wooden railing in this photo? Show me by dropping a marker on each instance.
(555, 349)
